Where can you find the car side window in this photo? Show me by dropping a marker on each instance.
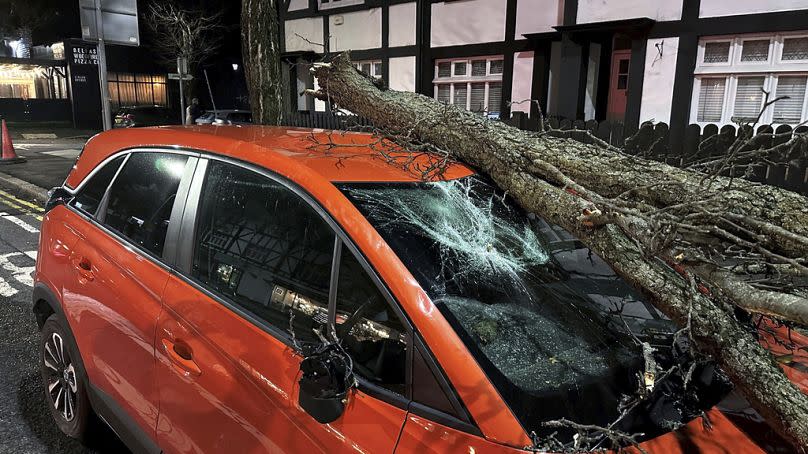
(368, 328)
(142, 196)
(89, 198)
(263, 247)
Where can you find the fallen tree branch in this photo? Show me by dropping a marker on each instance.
(561, 179)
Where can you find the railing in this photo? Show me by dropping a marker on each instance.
(651, 141)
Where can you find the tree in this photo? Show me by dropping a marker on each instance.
(704, 248)
(22, 18)
(183, 33)
(260, 41)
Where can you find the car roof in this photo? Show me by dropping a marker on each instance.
(334, 156)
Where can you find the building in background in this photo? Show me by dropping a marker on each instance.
(677, 61)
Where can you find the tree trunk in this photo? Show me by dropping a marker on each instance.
(260, 47)
(539, 171)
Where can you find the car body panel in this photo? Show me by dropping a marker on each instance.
(243, 397)
(247, 392)
(113, 312)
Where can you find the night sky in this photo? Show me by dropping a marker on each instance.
(66, 23)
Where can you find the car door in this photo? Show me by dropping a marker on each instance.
(253, 284)
(114, 299)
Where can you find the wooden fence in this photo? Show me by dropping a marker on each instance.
(651, 141)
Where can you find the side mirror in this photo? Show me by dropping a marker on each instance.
(326, 378)
(57, 196)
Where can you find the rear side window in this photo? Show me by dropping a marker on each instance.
(89, 198)
(369, 329)
(261, 246)
(141, 198)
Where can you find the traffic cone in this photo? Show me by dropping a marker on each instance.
(9, 155)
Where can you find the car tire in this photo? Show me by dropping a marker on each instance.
(65, 383)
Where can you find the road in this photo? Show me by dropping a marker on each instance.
(25, 422)
(49, 160)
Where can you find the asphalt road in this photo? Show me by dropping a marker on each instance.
(25, 422)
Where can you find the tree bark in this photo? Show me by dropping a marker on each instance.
(260, 48)
(536, 170)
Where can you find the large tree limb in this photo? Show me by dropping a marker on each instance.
(538, 169)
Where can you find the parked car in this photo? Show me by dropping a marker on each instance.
(140, 116)
(231, 290)
(227, 117)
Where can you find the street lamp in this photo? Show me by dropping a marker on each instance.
(235, 66)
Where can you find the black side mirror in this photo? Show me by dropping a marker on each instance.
(326, 378)
(57, 196)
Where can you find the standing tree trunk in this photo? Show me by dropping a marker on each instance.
(260, 48)
(560, 179)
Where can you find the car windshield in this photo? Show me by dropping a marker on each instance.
(546, 318)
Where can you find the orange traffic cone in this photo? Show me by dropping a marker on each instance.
(9, 155)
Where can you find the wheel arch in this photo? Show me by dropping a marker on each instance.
(46, 303)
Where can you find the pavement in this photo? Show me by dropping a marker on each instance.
(25, 421)
(48, 161)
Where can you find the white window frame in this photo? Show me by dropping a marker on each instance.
(467, 78)
(739, 43)
(779, 49)
(373, 64)
(332, 4)
(771, 70)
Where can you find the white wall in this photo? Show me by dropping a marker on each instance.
(359, 30)
(295, 5)
(657, 85)
(402, 25)
(468, 22)
(606, 10)
(537, 16)
(522, 81)
(310, 28)
(710, 8)
(402, 74)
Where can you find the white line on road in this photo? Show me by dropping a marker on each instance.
(21, 274)
(26, 226)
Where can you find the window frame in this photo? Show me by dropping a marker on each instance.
(734, 69)
(183, 263)
(468, 79)
(175, 219)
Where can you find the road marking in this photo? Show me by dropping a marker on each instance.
(26, 226)
(21, 274)
(22, 202)
(19, 207)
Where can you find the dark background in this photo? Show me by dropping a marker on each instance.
(228, 86)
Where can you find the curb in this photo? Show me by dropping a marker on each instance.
(23, 188)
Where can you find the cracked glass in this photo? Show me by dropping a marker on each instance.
(536, 308)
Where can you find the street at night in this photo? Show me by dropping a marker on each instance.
(26, 425)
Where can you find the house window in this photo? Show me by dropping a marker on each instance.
(327, 4)
(127, 90)
(733, 75)
(474, 84)
(372, 68)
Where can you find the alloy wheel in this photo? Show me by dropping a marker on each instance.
(61, 377)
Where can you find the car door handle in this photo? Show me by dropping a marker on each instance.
(84, 267)
(182, 356)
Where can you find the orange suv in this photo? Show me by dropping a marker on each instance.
(253, 289)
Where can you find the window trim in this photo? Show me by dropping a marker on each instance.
(781, 46)
(180, 200)
(182, 269)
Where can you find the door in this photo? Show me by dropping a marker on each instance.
(114, 299)
(618, 85)
(254, 282)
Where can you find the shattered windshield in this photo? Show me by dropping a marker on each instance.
(547, 319)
